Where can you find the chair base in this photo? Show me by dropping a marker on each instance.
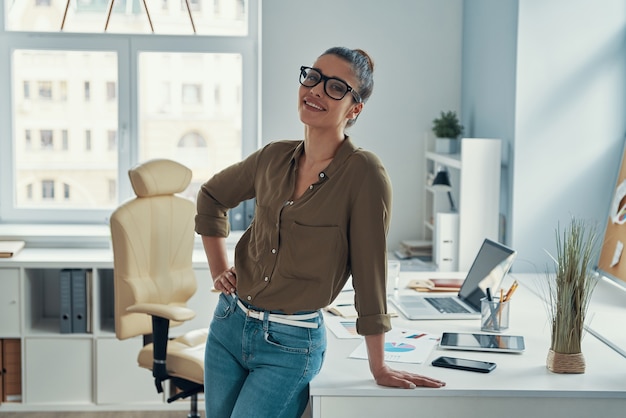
(188, 390)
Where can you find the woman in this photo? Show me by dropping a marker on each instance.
(322, 214)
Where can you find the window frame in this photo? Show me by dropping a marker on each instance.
(128, 47)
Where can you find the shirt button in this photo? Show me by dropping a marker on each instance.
(273, 250)
(311, 187)
(322, 175)
(249, 297)
(266, 279)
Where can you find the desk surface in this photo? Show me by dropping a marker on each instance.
(517, 375)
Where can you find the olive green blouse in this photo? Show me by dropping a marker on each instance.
(297, 255)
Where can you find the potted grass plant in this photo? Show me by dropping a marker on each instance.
(570, 287)
(447, 130)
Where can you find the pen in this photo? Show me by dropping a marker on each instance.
(510, 292)
(500, 306)
(492, 317)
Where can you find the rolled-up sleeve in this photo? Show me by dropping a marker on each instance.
(369, 224)
(224, 191)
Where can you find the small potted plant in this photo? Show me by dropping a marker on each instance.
(570, 288)
(447, 129)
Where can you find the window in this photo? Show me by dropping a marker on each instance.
(45, 90)
(87, 90)
(111, 91)
(85, 109)
(28, 143)
(47, 189)
(87, 140)
(111, 140)
(192, 94)
(66, 191)
(210, 17)
(65, 146)
(63, 90)
(46, 139)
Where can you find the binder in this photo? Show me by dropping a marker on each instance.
(12, 370)
(65, 301)
(79, 301)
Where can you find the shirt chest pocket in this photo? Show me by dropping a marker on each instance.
(312, 252)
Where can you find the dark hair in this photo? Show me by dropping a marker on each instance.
(363, 67)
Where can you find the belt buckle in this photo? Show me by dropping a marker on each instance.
(254, 314)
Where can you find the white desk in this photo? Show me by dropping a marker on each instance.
(520, 386)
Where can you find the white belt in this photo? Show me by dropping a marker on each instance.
(294, 320)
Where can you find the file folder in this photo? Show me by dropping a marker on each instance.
(79, 301)
(65, 301)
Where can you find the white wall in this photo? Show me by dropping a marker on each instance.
(416, 47)
(570, 118)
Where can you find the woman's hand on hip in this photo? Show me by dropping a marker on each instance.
(226, 282)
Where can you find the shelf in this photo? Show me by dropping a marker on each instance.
(449, 160)
(104, 372)
(442, 189)
(475, 190)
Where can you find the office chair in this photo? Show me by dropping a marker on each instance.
(153, 238)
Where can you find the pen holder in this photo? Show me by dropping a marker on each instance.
(494, 315)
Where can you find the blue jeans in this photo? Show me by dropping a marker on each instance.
(258, 368)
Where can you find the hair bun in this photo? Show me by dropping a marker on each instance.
(370, 61)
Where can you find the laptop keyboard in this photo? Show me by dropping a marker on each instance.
(446, 305)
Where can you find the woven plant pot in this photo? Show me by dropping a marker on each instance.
(565, 363)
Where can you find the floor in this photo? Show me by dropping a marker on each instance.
(108, 414)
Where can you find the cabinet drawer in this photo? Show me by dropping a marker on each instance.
(58, 370)
(119, 379)
(9, 303)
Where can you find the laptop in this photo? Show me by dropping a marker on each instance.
(489, 268)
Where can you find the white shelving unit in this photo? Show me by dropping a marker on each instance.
(80, 371)
(475, 178)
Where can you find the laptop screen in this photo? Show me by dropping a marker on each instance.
(489, 268)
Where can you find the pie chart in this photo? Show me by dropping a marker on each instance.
(394, 347)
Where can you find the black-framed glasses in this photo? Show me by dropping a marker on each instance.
(335, 88)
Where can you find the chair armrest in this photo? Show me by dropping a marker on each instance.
(173, 313)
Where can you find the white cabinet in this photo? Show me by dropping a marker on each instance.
(58, 370)
(9, 303)
(475, 189)
(90, 370)
(134, 386)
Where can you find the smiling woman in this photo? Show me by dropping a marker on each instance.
(322, 201)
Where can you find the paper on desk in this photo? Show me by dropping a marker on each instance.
(403, 346)
(343, 328)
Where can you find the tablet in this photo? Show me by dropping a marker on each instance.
(482, 342)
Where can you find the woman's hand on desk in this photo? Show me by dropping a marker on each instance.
(387, 376)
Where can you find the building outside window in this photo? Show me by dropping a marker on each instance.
(129, 97)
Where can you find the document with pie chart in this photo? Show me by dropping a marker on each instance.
(403, 346)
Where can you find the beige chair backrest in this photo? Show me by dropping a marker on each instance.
(153, 239)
